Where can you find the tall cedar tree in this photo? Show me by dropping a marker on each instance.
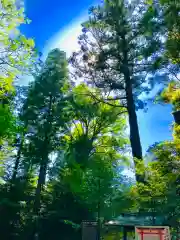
(43, 115)
(93, 145)
(119, 45)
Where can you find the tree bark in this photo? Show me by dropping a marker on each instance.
(17, 161)
(41, 182)
(42, 172)
(133, 122)
(133, 125)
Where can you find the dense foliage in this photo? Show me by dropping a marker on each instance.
(64, 146)
(122, 53)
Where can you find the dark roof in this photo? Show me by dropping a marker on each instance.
(136, 220)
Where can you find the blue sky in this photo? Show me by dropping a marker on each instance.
(56, 23)
(50, 16)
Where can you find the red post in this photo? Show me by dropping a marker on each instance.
(160, 232)
(161, 235)
(142, 235)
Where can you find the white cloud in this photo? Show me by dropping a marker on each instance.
(66, 39)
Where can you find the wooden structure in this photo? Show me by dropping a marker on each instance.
(152, 233)
(123, 226)
(89, 230)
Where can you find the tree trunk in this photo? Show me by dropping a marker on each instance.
(37, 202)
(42, 171)
(133, 123)
(41, 182)
(44, 159)
(99, 212)
(17, 161)
(99, 224)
